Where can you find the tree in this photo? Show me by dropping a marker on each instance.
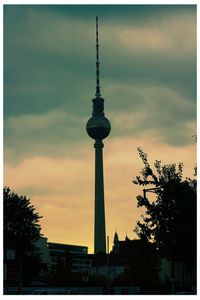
(32, 267)
(21, 227)
(21, 230)
(170, 220)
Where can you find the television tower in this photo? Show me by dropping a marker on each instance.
(98, 128)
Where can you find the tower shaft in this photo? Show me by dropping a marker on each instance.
(98, 128)
(99, 216)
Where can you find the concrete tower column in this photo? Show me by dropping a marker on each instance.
(98, 128)
(99, 216)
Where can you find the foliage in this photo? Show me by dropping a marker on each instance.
(32, 266)
(21, 226)
(21, 231)
(145, 266)
(170, 220)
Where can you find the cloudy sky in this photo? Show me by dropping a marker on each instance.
(148, 80)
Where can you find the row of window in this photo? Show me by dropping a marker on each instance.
(75, 261)
(80, 268)
(81, 261)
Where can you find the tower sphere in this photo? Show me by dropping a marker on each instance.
(98, 127)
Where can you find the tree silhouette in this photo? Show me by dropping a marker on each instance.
(170, 220)
(21, 231)
(21, 227)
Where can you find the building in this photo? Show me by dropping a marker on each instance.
(90, 264)
(52, 253)
(93, 265)
(82, 264)
(58, 251)
(42, 246)
(127, 246)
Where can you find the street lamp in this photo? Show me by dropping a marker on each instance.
(151, 190)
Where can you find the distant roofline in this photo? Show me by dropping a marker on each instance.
(129, 240)
(67, 244)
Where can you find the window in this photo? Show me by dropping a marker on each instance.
(53, 259)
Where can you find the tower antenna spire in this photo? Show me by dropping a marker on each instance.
(97, 61)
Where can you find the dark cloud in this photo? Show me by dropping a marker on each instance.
(148, 68)
(109, 12)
